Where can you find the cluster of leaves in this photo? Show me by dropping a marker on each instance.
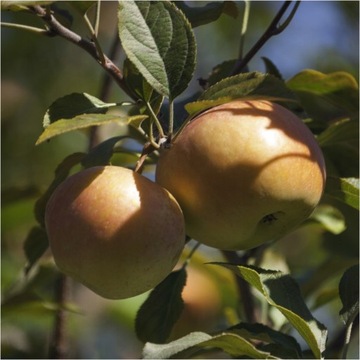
(159, 43)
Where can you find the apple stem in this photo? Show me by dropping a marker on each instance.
(188, 258)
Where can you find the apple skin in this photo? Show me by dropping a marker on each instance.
(114, 230)
(244, 173)
(202, 304)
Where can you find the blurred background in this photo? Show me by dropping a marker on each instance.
(36, 70)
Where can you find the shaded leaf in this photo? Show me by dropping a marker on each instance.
(326, 96)
(324, 297)
(340, 146)
(35, 246)
(166, 351)
(102, 153)
(281, 291)
(268, 335)
(235, 346)
(161, 310)
(202, 15)
(63, 126)
(14, 194)
(69, 106)
(159, 41)
(221, 72)
(82, 6)
(271, 68)
(344, 131)
(19, 5)
(349, 294)
(345, 190)
(61, 173)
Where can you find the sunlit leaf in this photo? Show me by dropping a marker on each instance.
(326, 96)
(349, 294)
(167, 351)
(69, 106)
(161, 310)
(158, 40)
(281, 291)
(253, 85)
(63, 126)
(330, 217)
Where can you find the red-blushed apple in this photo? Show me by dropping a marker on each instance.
(114, 230)
(244, 173)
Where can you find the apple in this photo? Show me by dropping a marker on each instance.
(202, 304)
(114, 230)
(244, 173)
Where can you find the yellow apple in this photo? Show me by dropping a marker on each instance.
(114, 230)
(244, 173)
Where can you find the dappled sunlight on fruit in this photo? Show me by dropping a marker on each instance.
(115, 231)
(236, 190)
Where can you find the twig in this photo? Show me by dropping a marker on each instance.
(105, 89)
(244, 288)
(58, 348)
(56, 28)
(274, 29)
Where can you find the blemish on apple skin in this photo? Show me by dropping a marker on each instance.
(271, 218)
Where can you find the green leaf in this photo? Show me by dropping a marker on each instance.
(102, 153)
(330, 217)
(340, 146)
(349, 294)
(82, 6)
(158, 40)
(19, 5)
(69, 106)
(253, 85)
(344, 189)
(167, 351)
(202, 15)
(265, 334)
(62, 126)
(35, 246)
(271, 68)
(235, 346)
(198, 342)
(221, 71)
(61, 173)
(161, 310)
(326, 97)
(341, 132)
(281, 291)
